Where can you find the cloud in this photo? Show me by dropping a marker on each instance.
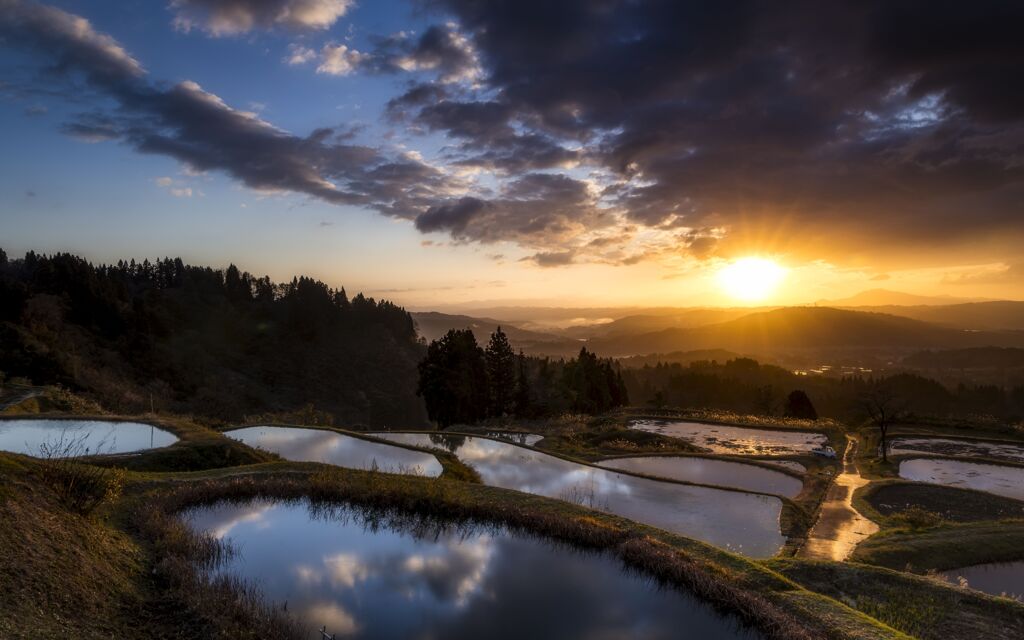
(452, 217)
(70, 41)
(857, 129)
(298, 54)
(233, 17)
(442, 49)
(998, 274)
(664, 129)
(538, 210)
(204, 133)
(551, 259)
(339, 60)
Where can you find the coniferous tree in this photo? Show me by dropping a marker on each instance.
(523, 405)
(501, 374)
(453, 379)
(798, 405)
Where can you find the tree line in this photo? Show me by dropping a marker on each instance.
(464, 383)
(219, 343)
(744, 385)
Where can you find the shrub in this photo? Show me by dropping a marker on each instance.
(918, 518)
(80, 486)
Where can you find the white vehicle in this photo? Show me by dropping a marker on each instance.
(824, 451)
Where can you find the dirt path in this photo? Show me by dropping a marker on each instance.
(840, 527)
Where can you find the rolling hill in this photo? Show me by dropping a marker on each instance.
(431, 325)
(1000, 315)
(806, 328)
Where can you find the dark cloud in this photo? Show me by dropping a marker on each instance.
(551, 258)
(488, 138)
(69, 41)
(441, 49)
(855, 117)
(538, 210)
(233, 17)
(452, 217)
(200, 130)
(686, 127)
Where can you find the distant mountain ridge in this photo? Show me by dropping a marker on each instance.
(999, 315)
(431, 325)
(805, 328)
(887, 297)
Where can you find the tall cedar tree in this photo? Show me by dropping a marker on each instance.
(523, 399)
(799, 405)
(453, 379)
(501, 374)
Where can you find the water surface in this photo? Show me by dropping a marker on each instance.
(719, 438)
(707, 471)
(1002, 481)
(529, 439)
(998, 579)
(397, 580)
(321, 445)
(80, 437)
(741, 522)
(787, 464)
(952, 447)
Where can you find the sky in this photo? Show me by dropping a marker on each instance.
(444, 152)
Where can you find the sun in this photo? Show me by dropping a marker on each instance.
(751, 279)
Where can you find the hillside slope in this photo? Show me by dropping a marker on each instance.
(805, 328)
(219, 344)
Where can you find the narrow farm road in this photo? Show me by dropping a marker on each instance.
(840, 527)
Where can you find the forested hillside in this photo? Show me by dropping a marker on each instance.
(743, 385)
(222, 344)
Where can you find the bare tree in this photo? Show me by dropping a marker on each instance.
(884, 409)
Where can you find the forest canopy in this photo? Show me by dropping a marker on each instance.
(224, 344)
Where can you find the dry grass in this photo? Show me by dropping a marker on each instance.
(62, 573)
(919, 606)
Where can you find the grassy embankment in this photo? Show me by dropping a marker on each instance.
(923, 527)
(920, 606)
(935, 527)
(133, 568)
(164, 592)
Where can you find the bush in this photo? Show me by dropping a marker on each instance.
(81, 487)
(918, 518)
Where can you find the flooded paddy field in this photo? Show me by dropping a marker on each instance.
(961, 448)
(80, 437)
(708, 471)
(727, 439)
(362, 577)
(321, 445)
(528, 439)
(741, 522)
(1000, 480)
(997, 579)
(787, 464)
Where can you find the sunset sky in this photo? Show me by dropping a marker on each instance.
(564, 153)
